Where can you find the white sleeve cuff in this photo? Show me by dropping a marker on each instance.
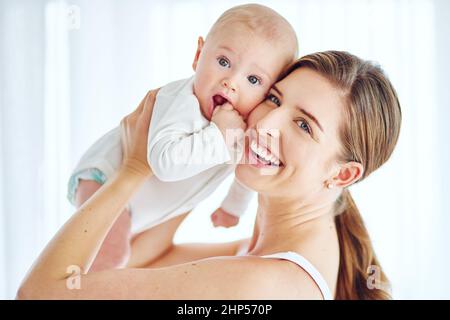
(237, 199)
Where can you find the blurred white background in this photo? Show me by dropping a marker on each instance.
(70, 70)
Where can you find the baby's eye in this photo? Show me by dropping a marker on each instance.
(224, 62)
(254, 80)
(272, 98)
(304, 126)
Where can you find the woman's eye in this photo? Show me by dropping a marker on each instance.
(253, 80)
(273, 99)
(224, 62)
(304, 126)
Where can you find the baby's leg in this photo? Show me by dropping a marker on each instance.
(115, 250)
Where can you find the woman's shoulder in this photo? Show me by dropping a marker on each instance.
(262, 278)
(282, 278)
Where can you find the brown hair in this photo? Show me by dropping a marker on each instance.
(368, 135)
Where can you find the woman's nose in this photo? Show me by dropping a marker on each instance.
(270, 124)
(270, 119)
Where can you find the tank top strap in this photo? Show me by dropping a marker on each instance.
(308, 267)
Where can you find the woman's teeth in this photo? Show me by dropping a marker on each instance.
(264, 155)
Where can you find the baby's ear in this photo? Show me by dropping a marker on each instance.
(197, 54)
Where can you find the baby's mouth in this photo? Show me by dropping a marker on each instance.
(218, 100)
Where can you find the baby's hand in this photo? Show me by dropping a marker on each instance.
(227, 118)
(221, 218)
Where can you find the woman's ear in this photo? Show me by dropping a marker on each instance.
(349, 173)
(197, 54)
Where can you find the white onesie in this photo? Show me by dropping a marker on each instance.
(187, 154)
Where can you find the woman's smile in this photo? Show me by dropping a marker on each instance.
(263, 154)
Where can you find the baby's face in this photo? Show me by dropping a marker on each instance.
(236, 66)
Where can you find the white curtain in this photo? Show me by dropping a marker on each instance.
(70, 70)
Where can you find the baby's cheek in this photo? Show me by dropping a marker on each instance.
(254, 101)
(245, 109)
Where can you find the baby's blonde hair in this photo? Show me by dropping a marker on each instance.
(261, 20)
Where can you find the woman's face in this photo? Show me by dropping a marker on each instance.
(298, 124)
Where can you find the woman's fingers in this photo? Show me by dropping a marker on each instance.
(145, 113)
(143, 103)
(150, 101)
(134, 134)
(144, 107)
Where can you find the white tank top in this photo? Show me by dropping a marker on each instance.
(308, 267)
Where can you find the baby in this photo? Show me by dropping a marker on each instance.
(242, 56)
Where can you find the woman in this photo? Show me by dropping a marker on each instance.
(338, 119)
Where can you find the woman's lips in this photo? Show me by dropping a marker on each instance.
(257, 142)
(256, 158)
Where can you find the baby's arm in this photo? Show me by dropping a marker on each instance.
(178, 156)
(178, 148)
(237, 199)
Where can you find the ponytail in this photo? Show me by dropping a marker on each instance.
(357, 257)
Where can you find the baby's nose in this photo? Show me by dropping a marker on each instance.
(229, 85)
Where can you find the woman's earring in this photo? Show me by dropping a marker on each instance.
(330, 185)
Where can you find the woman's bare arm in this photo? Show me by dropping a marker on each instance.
(79, 240)
(183, 253)
(115, 250)
(155, 248)
(214, 278)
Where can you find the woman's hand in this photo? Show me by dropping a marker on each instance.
(78, 242)
(134, 135)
